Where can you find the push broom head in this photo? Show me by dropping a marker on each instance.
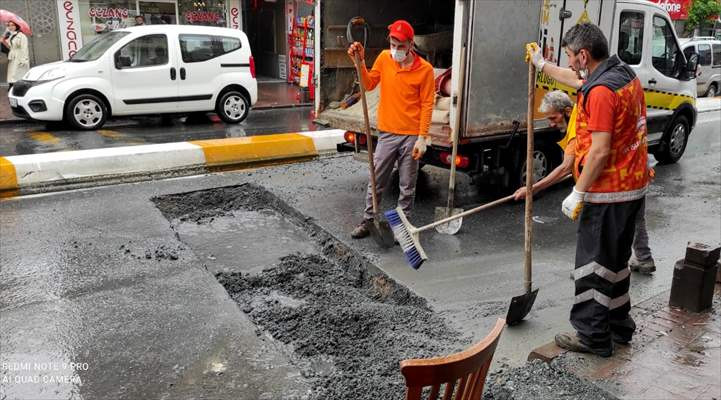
(407, 237)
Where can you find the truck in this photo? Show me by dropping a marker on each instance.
(488, 100)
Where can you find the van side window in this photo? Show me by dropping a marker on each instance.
(704, 54)
(663, 47)
(689, 51)
(717, 55)
(198, 48)
(630, 37)
(146, 51)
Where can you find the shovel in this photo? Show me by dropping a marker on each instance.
(379, 230)
(521, 305)
(451, 228)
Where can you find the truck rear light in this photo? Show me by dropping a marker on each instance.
(351, 137)
(252, 66)
(461, 161)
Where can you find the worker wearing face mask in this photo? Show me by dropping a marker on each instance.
(404, 115)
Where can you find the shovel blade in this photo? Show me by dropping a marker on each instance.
(452, 227)
(382, 233)
(520, 307)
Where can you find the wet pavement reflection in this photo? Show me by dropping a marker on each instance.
(24, 138)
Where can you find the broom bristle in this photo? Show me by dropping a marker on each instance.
(415, 256)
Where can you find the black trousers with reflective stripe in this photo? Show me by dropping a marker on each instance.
(602, 278)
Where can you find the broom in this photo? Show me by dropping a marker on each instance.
(407, 234)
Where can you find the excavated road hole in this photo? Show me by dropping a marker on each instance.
(349, 325)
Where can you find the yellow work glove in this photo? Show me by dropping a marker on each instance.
(573, 204)
(533, 54)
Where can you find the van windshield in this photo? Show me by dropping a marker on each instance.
(96, 47)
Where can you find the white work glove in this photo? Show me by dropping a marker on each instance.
(573, 204)
(533, 54)
(419, 149)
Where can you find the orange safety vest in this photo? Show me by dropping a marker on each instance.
(626, 175)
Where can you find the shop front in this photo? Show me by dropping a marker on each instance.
(82, 20)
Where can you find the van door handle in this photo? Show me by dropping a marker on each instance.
(172, 73)
(652, 81)
(182, 73)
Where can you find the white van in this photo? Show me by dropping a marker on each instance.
(708, 49)
(152, 69)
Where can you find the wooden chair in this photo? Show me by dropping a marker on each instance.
(462, 373)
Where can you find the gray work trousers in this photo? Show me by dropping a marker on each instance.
(392, 148)
(640, 238)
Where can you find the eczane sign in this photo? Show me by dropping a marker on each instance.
(69, 19)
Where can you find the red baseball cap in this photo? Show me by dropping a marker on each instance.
(401, 30)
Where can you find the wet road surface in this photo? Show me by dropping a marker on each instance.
(160, 327)
(24, 138)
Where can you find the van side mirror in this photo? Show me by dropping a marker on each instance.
(691, 67)
(122, 61)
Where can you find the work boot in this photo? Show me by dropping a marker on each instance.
(645, 267)
(619, 340)
(571, 342)
(362, 229)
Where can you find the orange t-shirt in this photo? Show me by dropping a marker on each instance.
(407, 94)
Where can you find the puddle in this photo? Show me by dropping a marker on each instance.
(244, 240)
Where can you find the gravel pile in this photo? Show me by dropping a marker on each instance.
(350, 330)
(538, 380)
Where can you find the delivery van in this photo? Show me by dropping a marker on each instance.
(143, 70)
(708, 77)
(491, 36)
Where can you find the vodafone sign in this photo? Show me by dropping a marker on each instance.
(69, 20)
(677, 9)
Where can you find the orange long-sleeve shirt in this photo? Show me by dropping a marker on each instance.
(407, 94)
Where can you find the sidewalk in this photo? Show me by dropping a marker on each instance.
(5, 114)
(674, 355)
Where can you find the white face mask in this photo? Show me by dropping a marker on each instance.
(398, 55)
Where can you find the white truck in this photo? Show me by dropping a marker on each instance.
(493, 34)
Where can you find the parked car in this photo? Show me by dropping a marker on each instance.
(143, 70)
(708, 79)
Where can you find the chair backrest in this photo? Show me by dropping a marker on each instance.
(462, 374)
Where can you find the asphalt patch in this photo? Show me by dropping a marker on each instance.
(348, 324)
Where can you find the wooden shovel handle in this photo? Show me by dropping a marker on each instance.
(528, 239)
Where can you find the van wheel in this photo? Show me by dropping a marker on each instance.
(712, 90)
(674, 142)
(86, 112)
(232, 107)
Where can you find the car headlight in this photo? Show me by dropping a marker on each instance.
(52, 74)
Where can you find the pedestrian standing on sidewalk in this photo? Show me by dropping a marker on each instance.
(612, 179)
(18, 56)
(562, 114)
(404, 115)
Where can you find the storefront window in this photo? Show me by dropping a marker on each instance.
(98, 17)
(202, 12)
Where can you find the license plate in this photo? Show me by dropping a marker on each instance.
(13, 102)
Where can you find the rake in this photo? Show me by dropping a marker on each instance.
(408, 235)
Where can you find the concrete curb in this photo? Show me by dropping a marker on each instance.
(71, 169)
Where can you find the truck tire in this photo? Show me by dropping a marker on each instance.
(546, 156)
(674, 141)
(86, 112)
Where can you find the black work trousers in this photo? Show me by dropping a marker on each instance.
(601, 307)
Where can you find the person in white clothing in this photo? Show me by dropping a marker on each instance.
(18, 56)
